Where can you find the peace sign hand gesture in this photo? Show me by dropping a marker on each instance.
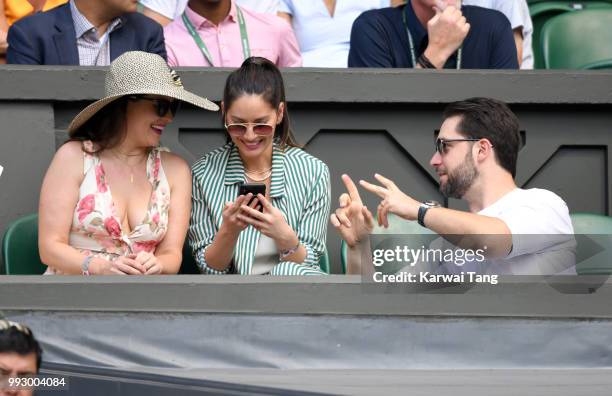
(393, 200)
(352, 219)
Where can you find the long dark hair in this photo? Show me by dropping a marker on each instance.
(259, 76)
(106, 129)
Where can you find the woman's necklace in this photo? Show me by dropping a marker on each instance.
(253, 175)
(124, 161)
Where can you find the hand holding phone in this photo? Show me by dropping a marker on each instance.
(253, 188)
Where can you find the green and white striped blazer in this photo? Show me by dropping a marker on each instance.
(299, 188)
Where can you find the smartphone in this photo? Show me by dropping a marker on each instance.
(253, 188)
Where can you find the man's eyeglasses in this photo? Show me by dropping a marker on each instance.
(442, 144)
(161, 105)
(239, 129)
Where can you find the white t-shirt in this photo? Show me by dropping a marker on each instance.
(324, 40)
(517, 13)
(174, 8)
(542, 238)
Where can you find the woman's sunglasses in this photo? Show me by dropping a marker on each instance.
(239, 129)
(442, 144)
(161, 105)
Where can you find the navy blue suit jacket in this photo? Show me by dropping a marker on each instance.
(49, 38)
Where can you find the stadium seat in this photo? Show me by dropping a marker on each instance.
(575, 40)
(20, 247)
(397, 226)
(542, 11)
(599, 227)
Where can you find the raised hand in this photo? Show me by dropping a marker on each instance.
(352, 219)
(446, 32)
(393, 200)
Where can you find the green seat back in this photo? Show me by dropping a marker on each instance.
(397, 226)
(544, 10)
(600, 229)
(20, 247)
(577, 39)
(324, 262)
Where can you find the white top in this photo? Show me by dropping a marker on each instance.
(325, 40)
(542, 238)
(266, 256)
(174, 8)
(517, 13)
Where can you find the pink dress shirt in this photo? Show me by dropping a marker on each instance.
(269, 37)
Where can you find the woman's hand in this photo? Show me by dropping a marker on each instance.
(231, 221)
(122, 265)
(149, 262)
(271, 223)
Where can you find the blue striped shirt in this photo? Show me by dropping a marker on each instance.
(299, 188)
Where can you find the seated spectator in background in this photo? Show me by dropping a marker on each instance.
(3, 30)
(140, 228)
(420, 34)
(475, 159)
(20, 356)
(13, 10)
(222, 34)
(517, 13)
(323, 27)
(288, 236)
(165, 11)
(83, 32)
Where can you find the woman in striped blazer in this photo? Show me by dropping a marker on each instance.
(282, 232)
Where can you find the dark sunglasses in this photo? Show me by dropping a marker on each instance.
(161, 105)
(239, 129)
(442, 144)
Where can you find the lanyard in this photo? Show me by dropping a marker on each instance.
(411, 42)
(244, 38)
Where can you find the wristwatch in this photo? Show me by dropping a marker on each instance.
(425, 206)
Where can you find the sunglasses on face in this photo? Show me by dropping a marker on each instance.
(161, 105)
(442, 144)
(239, 129)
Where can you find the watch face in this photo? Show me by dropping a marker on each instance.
(432, 204)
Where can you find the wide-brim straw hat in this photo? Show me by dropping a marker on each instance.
(140, 73)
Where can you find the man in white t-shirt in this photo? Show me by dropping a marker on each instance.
(165, 11)
(475, 159)
(517, 12)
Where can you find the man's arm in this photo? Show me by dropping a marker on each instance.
(3, 29)
(504, 54)
(20, 47)
(369, 43)
(157, 44)
(289, 54)
(518, 41)
(453, 225)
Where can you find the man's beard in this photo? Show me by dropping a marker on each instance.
(459, 181)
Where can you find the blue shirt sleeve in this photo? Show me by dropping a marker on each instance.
(370, 43)
(503, 55)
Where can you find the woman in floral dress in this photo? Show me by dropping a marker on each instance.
(113, 201)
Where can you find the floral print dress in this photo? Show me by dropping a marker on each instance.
(96, 229)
